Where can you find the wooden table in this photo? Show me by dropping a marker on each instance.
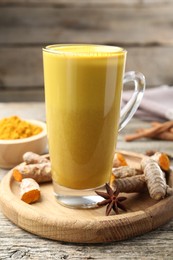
(18, 244)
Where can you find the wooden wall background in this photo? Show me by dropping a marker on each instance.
(143, 27)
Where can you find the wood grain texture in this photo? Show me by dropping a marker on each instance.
(19, 244)
(27, 26)
(114, 25)
(18, 94)
(22, 245)
(84, 3)
(28, 73)
(47, 218)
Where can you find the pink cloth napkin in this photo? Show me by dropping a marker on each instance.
(157, 103)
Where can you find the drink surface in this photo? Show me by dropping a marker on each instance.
(83, 86)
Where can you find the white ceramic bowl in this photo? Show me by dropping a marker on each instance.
(11, 151)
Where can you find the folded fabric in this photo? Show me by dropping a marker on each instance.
(157, 103)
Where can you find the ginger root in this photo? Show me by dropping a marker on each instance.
(29, 190)
(39, 172)
(155, 179)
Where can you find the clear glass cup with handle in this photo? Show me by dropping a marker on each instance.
(83, 87)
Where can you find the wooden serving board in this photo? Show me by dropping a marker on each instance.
(48, 219)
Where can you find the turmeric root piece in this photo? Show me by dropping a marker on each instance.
(29, 191)
(155, 179)
(125, 171)
(130, 184)
(119, 160)
(17, 175)
(33, 158)
(162, 159)
(39, 172)
(112, 179)
(169, 190)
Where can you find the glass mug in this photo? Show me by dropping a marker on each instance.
(83, 86)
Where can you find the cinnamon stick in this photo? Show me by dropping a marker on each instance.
(171, 130)
(154, 132)
(157, 124)
(167, 135)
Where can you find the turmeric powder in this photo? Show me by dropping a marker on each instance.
(15, 128)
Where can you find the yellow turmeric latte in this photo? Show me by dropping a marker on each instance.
(15, 128)
(83, 87)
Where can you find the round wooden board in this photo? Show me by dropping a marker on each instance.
(47, 218)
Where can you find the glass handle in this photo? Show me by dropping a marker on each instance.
(132, 105)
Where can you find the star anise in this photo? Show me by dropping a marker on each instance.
(111, 200)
